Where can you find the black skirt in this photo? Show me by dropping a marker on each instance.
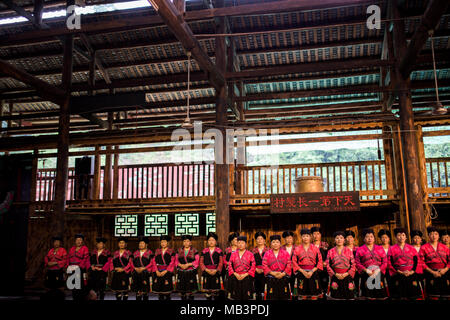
(141, 281)
(211, 282)
(342, 289)
(356, 281)
(187, 281)
(162, 284)
(260, 280)
(224, 276)
(277, 289)
(241, 289)
(120, 281)
(374, 288)
(309, 288)
(323, 280)
(97, 280)
(292, 279)
(437, 287)
(405, 287)
(54, 279)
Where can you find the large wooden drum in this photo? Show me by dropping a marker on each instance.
(308, 184)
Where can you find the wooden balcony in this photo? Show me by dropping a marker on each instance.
(157, 188)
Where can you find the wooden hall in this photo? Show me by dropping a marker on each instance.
(91, 102)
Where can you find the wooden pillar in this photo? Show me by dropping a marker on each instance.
(221, 185)
(97, 168)
(116, 167)
(408, 138)
(388, 149)
(3, 133)
(241, 161)
(116, 174)
(107, 177)
(91, 80)
(34, 171)
(57, 225)
(423, 174)
(401, 193)
(180, 5)
(37, 11)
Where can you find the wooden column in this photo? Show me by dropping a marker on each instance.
(97, 169)
(107, 177)
(241, 160)
(116, 174)
(91, 80)
(409, 143)
(180, 5)
(401, 193)
(3, 133)
(221, 185)
(423, 174)
(34, 171)
(388, 149)
(57, 225)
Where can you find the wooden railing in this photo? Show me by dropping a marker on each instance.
(139, 182)
(165, 181)
(368, 177)
(255, 183)
(438, 177)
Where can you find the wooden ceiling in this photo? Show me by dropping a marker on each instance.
(293, 62)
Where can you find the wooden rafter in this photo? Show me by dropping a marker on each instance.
(37, 22)
(429, 21)
(46, 90)
(148, 21)
(184, 34)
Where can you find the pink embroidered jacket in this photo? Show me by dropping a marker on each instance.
(164, 261)
(341, 262)
(366, 258)
(122, 261)
(79, 258)
(59, 255)
(405, 259)
(191, 257)
(307, 259)
(102, 260)
(244, 264)
(281, 263)
(212, 260)
(435, 259)
(142, 261)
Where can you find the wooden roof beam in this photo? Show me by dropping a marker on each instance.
(146, 21)
(35, 21)
(184, 34)
(430, 19)
(44, 89)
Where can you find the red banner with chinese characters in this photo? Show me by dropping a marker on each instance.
(314, 202)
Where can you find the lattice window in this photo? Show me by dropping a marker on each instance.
(126, 225)
(210, 222)
(156, 225)
(187, 223)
